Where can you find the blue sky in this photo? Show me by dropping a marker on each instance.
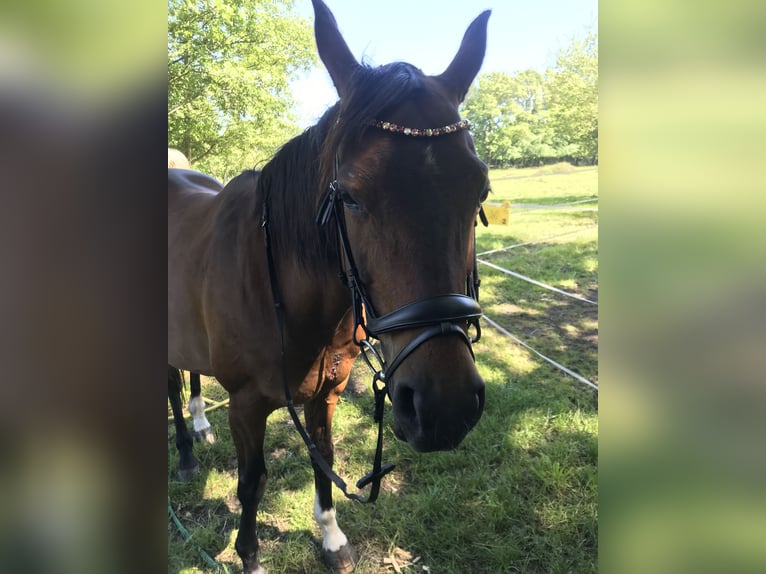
(427, 33)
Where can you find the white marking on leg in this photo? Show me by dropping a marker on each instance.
(197, 410)
(332, 536)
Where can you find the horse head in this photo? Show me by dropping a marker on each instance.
(407, 185)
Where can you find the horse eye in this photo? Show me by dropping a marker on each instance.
(346, 197)
(348, 200)
(485, 193)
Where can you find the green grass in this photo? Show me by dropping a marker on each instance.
(561, 328)
(519, 495)
(529, 185)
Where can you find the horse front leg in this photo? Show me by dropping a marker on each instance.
(202, 429)
(337, 551)
(247, 420)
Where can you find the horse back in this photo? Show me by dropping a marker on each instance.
(188, 182)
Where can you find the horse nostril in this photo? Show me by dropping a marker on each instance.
(406, 401)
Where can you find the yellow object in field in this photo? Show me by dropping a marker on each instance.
(498, 213)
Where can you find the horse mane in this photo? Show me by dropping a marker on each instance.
(295, 179)
(372, 94)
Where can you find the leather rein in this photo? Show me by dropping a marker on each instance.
(446, 314)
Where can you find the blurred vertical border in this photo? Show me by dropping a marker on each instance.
(83, 129)
(683, 287)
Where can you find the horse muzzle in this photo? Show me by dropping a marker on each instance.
(432, 414)
(438, 395)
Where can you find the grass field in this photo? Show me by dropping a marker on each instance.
(520, 493)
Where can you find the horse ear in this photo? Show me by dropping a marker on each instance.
(463, 69)
(332, 48)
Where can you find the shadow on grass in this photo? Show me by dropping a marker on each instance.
(509, 499)
(517, 495)
(209, 509)
(560, 327)
(200, 514)
(563, 330)
(548, 421)
(208, 506)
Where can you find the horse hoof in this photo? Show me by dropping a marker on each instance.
(205, 435)
(188, 474)
(342, 561)
(259, 570)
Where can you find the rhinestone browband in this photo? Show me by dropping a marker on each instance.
(421, 132)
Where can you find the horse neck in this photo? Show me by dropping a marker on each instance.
(305, 255)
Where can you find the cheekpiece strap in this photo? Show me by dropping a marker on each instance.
(421, 132)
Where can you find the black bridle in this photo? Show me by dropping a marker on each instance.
(449, 313)
(446, 314)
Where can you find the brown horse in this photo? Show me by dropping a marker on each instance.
(188, 466)
(406, 190)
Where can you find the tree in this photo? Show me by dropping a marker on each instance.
(508, 115)
(527, 118)
(573, 85)
(229, 67)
